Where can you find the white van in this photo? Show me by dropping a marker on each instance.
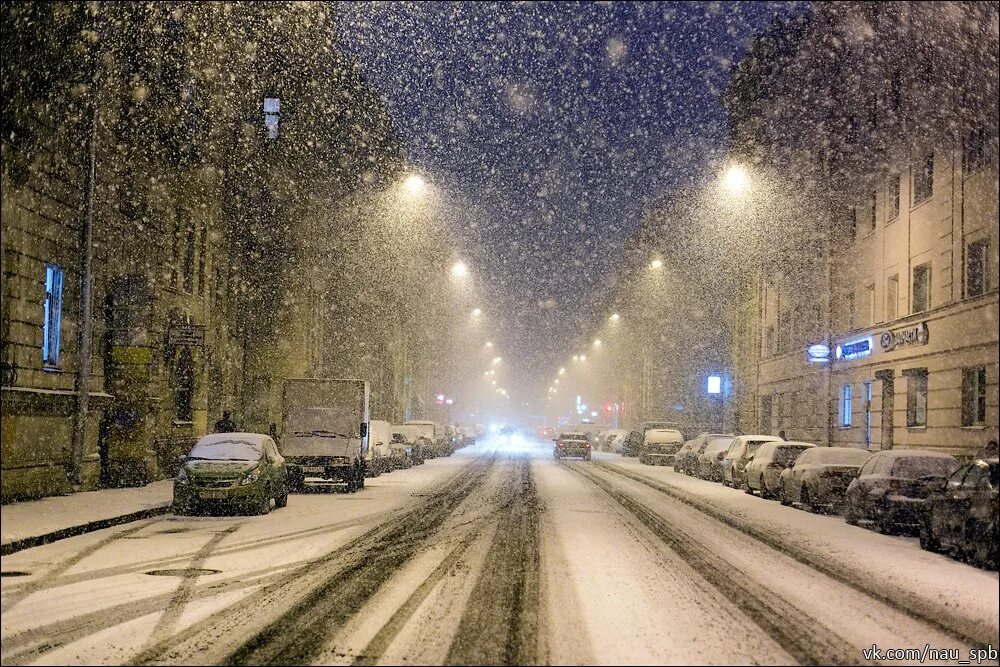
(379, 459)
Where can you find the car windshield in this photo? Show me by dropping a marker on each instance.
(914, 467)
(227, 450)
(785, 453)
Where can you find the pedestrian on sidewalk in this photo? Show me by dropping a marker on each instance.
(226, 424)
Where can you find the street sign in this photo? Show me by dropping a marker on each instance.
(190, 335)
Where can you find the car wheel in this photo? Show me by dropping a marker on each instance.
(782, 496)
(746, 486)
(928, 540)
(805, 500)
(849, 514)
(264, 507)
(281, 500)
(587, 457)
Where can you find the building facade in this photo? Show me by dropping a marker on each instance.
(878, 322)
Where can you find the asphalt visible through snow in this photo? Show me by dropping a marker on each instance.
(496, 555)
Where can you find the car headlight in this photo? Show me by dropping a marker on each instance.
(250, 477)
(182, 477)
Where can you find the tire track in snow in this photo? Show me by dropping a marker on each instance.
(934, 616)
(793, 629)
(500, 623)
(229, 636)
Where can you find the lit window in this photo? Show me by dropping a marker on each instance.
(272, 111)
(52, 319)
(846, 405)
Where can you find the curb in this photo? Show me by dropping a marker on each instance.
(8, 548)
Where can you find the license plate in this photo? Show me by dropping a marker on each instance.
(213, 494)
(319, 469)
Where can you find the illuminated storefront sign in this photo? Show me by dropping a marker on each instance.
(915, 335)
(818, 353)
(855, 349)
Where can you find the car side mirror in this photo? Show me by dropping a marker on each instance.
(790, 464)
(721, 456)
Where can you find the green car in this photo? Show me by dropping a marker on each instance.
(232, 470)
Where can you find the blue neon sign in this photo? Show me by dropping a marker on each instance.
(855, 349)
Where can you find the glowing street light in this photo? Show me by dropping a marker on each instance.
(476, 312)
(583, 357)
(496, 360)
(736, 180)
(414, 185)
(576, 357)
(459, 269)
(615, 317)
(656, 264)
(597, 342)
(562, 371)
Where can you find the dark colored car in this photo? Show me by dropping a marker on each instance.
(821, 475)
(892, 487)
(572, 444)
(232, 470)
(961, 515)
(633, 443)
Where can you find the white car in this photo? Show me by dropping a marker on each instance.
(615, 439)
(379, 457)
(660, 445)
(710, 461)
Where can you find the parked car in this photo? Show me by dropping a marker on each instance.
(402, 449)
(233, 471)
(600, 439)
(820, 476)
(689, 462)
(660, 445)
(632, 444)
(435, 434)
(572, 444)
(740, 450)
(419, 444)
(379, 457)
(961, 515)
(615, 441)
(893, 485)
(763, 472)
(709, 464)
(682, 452)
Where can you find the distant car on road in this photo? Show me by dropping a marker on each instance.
(660, 445)
(763, 473)
(961, 515)
(892, 487)
(735, 461)
(572, 444)
(241, 471)
(820, 476)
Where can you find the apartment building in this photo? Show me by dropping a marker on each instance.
(885, 335)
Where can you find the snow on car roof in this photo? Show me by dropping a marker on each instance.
(258, 439)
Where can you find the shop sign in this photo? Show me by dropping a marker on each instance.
(855, 349)
(190, 335)
(915, 335)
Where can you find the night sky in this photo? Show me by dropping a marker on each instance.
(557, 123)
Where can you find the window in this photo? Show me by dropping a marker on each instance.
(923, 178)
(896, 91)
(272, 112)
(921, 288)
(974, 152)
(892, 298)
(870, 211)
(977, 271)
(974, 396)
(870, 293)
(849, 309)
(892, 198)
(916, 397)
(851, 222)
(846, 405)
(52, 316)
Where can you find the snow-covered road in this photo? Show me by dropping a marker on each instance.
(495, 555)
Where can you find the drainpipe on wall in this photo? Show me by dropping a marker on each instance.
(82, 381)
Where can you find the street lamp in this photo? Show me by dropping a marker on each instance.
(736, 180)
(459, 269)
(656, 264)
(597, 342)
(476, 312)
(615, 317)
(414, 185)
